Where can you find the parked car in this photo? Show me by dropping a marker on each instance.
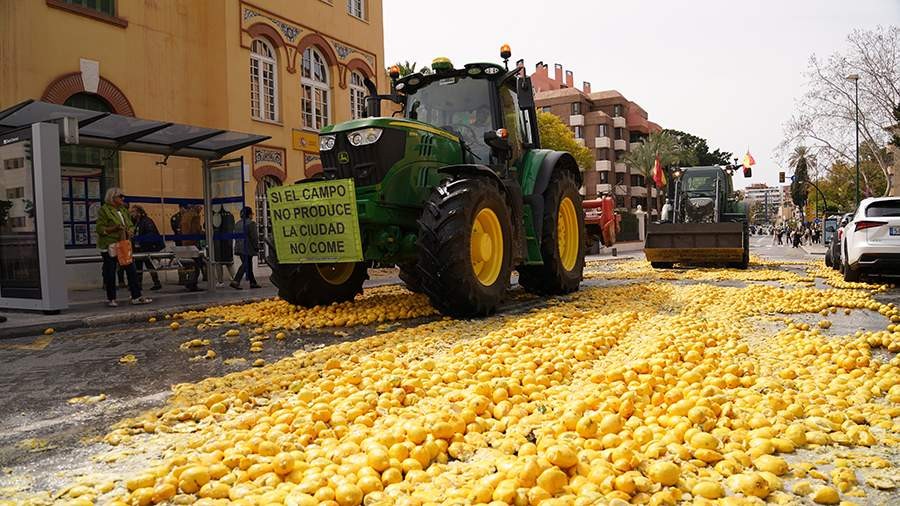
(871, 241)
(833, 253)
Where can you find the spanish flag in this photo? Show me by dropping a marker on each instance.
(748, 160)
(659, 175)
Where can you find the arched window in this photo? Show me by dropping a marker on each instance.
(263, 81)
(357, 96)
(315, 104)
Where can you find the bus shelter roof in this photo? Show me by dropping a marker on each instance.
(126, 133)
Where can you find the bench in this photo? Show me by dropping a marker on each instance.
(162, 260)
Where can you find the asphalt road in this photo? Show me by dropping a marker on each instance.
(39, 375)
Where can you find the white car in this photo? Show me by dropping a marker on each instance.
(871, 241)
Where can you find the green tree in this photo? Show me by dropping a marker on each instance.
(670, 151)
(556, 135)
(5, 206)
(700, 148)
(801, 160)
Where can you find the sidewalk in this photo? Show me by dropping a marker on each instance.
(87, 308)
(631, 249)
(814, 249)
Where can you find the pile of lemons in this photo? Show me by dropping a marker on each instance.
(645, 393)
(377, 305)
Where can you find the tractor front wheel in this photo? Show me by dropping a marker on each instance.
(464, 247)
(562, 241)
(311, 285)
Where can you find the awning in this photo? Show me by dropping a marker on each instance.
(125, 133)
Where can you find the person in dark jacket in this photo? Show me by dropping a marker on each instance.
(246, 247)
(146, 240)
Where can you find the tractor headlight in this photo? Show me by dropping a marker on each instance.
(326, 142)
(364, 137)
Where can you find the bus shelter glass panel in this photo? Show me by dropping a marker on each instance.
(20, 272)
(227, 199)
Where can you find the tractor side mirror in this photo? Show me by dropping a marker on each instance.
(525, 93)
(497, 140)
(748, 172)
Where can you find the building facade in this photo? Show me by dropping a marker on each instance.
(607, 123)
(281, 68)
(766, 202)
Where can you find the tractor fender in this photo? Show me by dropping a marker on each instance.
(472, 169)
(555, 160)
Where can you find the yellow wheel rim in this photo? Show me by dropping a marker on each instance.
(567, 234)
(486, 247)
(336, 274)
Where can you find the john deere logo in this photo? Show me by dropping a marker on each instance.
(343, 157)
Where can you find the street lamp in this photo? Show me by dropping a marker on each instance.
(855, 79)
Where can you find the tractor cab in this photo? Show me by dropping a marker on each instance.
(486, 107)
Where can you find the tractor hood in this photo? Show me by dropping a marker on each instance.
(386, 122)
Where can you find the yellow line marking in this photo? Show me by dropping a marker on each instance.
(37, 345)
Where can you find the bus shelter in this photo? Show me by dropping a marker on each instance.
(32, 257)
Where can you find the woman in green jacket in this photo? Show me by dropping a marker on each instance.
(113, 225)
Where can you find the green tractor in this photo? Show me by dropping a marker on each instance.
(454, 190)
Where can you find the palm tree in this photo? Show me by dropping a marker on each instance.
(407, 68)
(802, 161)
(670, 151)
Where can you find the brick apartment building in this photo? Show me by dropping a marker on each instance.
(607, 123)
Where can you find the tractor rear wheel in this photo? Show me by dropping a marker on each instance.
(562, 240)
(410, 277)
(311, 285)
(465, 246)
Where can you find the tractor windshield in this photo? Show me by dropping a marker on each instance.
(701, 182)
(461, 105)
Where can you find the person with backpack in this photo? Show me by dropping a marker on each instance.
(146, 240)
(247, 247)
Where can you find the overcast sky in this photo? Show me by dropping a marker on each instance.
(728, 71)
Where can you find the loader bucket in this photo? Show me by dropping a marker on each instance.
(697, 243)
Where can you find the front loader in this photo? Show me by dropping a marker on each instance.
(703, 223)
(454, 189)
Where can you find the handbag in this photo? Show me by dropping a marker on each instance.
(123, 252)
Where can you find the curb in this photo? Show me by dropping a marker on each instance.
(116, 319)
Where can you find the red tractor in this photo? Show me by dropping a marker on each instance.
(601, 221)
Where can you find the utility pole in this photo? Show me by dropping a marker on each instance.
(855, 79)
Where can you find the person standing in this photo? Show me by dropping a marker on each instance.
(146, 240)
(247, 247)
(113, 225)
(191, 224)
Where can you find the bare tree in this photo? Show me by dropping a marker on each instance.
(825, 115)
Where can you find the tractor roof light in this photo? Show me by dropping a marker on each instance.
(441, 64)
(394, 72)
(505, 52)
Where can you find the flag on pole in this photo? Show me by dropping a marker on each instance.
(748, 160)
(659, 175)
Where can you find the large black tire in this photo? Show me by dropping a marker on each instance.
(410, 277)
(828, 262)
(850, 273)
(552, 277)
(305, 285)
(445, 271)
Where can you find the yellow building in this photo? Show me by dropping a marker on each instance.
(281, 68)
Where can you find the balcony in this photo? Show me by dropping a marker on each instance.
(633, 145)
(621, 145)
(618, 122)
(602, 142)
(654, 192)
(604, 188)
(603, 165)
(577, 120)
(638, 191)
(621, 167)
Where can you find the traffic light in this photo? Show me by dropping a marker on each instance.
(781, 177)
